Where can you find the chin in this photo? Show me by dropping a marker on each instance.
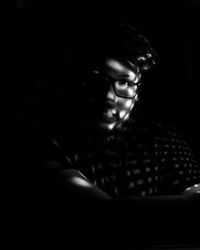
(105, 126)
(109, 126)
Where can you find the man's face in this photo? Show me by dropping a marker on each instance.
(111, 91)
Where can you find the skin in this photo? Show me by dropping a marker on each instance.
(110, 110)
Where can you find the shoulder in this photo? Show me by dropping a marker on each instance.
(179, 167)
(168, 140)
(159, 131)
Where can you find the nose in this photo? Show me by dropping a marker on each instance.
(110, 96)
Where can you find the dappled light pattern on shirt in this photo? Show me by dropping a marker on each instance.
(137, 160)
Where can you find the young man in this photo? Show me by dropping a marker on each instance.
(111, 158)
(96, 152)
(115, 153)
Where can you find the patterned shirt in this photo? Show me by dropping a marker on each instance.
(137, 159)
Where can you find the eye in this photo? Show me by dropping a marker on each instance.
(123, 84)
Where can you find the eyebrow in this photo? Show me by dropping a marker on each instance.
(127, 76)
(117, 78)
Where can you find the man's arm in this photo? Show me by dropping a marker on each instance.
(165, 219)
(78, 187)
(193, 190)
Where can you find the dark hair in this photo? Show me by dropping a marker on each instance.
(116, 39)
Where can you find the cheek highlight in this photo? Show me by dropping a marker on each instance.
(126, 116)
(124, 107)
(128, 103)
(122, 114)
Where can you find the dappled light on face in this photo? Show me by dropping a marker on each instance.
(137, 78)
(114, 111)
(132, 73)
(81, 182)
(115, 64)
(124, 90)
(133, 76)
(126, 117)
(132, 105)
(111, 95)
(111, 126)
(128, 103)
(118, 66)
(120, 86)
(131, 91)
(136, 98)
(122, 114)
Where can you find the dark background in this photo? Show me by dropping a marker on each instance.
(37, 38)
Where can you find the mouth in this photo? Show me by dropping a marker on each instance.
(109, 116)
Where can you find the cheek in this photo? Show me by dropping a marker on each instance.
(124, 107)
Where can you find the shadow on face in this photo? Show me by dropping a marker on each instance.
(111, 92)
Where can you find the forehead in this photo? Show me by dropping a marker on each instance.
(118, 67)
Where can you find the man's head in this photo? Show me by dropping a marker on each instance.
(111, 90)
(114, 61)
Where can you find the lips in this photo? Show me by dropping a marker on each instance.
(103, 111)
(109, 116)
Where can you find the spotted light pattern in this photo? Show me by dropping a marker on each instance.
(135, 160)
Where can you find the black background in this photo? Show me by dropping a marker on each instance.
(37, 37)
